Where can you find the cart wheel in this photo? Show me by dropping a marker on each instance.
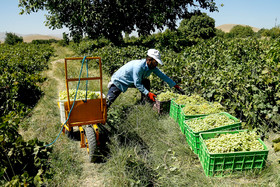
(90, 142)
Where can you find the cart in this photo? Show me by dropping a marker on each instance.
(87, 114)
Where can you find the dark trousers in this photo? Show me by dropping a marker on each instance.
(114, 92)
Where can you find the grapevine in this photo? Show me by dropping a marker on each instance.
(228, 143)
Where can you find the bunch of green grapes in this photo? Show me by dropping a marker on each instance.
(81, 94)
(228, 143)
(205, 108)
(209, 122)
(167, 96)
(193, 99)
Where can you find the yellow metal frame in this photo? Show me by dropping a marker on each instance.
(82, 79)
(80, 116)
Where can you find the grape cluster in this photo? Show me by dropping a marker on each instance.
(193, 99)
(205, 108)
(227, 143)
(81, 94)
(167, 96)
(209, 122)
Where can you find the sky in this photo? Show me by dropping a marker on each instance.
(256, 13)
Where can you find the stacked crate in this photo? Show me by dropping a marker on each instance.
(216, 164)
(223, 164)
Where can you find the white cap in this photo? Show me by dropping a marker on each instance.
(155, 55)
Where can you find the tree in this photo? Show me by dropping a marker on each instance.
(198, 26)
(110, 18)
(274, 32)
(241, 31)
(13, 39)
(220, 33)
(65, 40)
(262, 33)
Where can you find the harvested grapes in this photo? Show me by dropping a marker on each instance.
(228, 143)
(81, 94)
(193, 99)
(205, 108)
(209, 122)
(166, 96)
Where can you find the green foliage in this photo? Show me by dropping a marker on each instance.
(191, 30)
(273, 33)
(50, 41)
(111, 18)
(77, 38)
(88, 45)
(20, 66)
(198, 26)
(22, 163)
(13, 39)
(240, 31)
(220, 33)
(241, 74)
(113, 57)
(65, 40)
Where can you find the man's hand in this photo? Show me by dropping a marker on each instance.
(151, 96)
(179, 89)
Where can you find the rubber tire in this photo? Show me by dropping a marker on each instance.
(91, 142)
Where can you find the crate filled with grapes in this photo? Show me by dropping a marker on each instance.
(162, 104)
(194, 111)
(225, 152)
(210, 123)
(182, 101)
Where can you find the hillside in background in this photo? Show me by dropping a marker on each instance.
(30, 37)
(228, 27)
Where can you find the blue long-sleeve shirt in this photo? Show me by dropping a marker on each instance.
(132, 74)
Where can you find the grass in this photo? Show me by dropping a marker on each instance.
(142, 148)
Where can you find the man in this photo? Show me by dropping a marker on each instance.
(135, 74)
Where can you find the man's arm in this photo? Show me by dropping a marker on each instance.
(169, 81)
(137, 78)
(164, 77)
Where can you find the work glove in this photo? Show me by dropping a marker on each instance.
(179, 89)
(151, 96)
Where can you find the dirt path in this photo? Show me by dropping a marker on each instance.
(90, 175)
(60, 83)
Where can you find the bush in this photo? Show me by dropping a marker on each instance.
(44, 41)
(198, 26)
(13, 39)
(240, 31)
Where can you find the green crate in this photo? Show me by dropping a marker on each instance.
(223, 164)
(182, 117)
(175, 110)
(193, 137)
